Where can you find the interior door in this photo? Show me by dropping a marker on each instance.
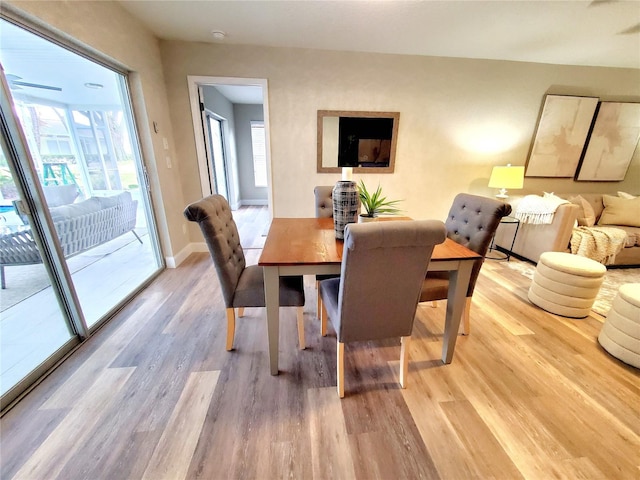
(219, 161)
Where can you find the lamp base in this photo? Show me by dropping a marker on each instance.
(502, 194)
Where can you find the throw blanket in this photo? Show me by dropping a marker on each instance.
(538, 210)
(601, 244)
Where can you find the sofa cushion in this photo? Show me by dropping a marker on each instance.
(586, 215)
(633, 235)
(73, 210)
(113, 200)
(626, 195)
(620, 211)
(58, 195)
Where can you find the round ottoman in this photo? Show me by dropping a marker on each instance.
(566, 284)
(620, 334)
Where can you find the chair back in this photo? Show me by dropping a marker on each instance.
(383, 266)
(220, 232)
(472, 222)
(324, 201)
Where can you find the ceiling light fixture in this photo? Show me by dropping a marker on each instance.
(218, 34)
(94, 85)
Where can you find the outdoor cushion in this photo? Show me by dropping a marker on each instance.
(74, 210)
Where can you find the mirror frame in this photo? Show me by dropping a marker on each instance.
(356, 114)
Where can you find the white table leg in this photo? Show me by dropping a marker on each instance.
(456, 297)
(272, 299)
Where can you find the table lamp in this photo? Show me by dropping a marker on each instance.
(506, 178)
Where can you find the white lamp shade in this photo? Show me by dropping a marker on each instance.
(507, 177)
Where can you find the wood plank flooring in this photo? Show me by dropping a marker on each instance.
(155, 395)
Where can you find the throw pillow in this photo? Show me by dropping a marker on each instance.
(626, 195)
(74, 210)
(586, 214)
(113, 200)
(620, 211)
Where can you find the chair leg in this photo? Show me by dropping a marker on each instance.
(139, 239)
(404, 360)
(241, 312)
(465, 324)
(301, 343)
(323, 320)
(319, 301)
(231, 328)
(340, 364)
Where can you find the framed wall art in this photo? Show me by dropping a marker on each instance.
(560, 136)
(614, 138)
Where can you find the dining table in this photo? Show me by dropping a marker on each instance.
(308, 246)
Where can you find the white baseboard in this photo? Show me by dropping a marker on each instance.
(254, 202)
(181, 256)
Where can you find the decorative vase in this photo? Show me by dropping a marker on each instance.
(346, 201)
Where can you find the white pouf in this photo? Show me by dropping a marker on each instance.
(566, 284)
(620, 334)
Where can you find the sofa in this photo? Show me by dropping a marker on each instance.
(609, 210)
(80, 226)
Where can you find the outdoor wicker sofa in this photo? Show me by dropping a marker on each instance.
(80, 226)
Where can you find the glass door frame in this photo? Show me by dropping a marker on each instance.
(13, 143)
(31, 193)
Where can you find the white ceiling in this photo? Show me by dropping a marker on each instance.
(562, 32)
(248, 94)
(575, 32)
(26, 57)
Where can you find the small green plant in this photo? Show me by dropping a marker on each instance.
(375, 204)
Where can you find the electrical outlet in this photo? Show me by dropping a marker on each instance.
(165, 143)
(168, 160)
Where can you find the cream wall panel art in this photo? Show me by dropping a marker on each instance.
(613, 141)
(560, 137)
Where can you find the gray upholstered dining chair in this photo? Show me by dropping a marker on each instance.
(242, 285)
(324, 209)
(383, 266)
(324, 201)
(472, 221)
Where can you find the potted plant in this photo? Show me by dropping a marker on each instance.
(375, 204)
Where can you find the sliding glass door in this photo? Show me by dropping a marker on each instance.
(83, 182)
(33, 327)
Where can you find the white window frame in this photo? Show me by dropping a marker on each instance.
(260, 175)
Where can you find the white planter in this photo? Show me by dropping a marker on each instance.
(364, 219)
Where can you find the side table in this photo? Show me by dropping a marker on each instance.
(507, 255)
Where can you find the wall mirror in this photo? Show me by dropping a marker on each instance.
(365, 141)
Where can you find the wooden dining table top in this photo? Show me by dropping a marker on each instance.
(312, 241)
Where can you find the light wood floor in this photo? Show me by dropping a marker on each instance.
(155, 395)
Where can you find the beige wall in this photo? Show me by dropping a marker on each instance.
(107, 28)
(451, 110)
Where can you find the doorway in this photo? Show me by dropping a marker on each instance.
(235, 103)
